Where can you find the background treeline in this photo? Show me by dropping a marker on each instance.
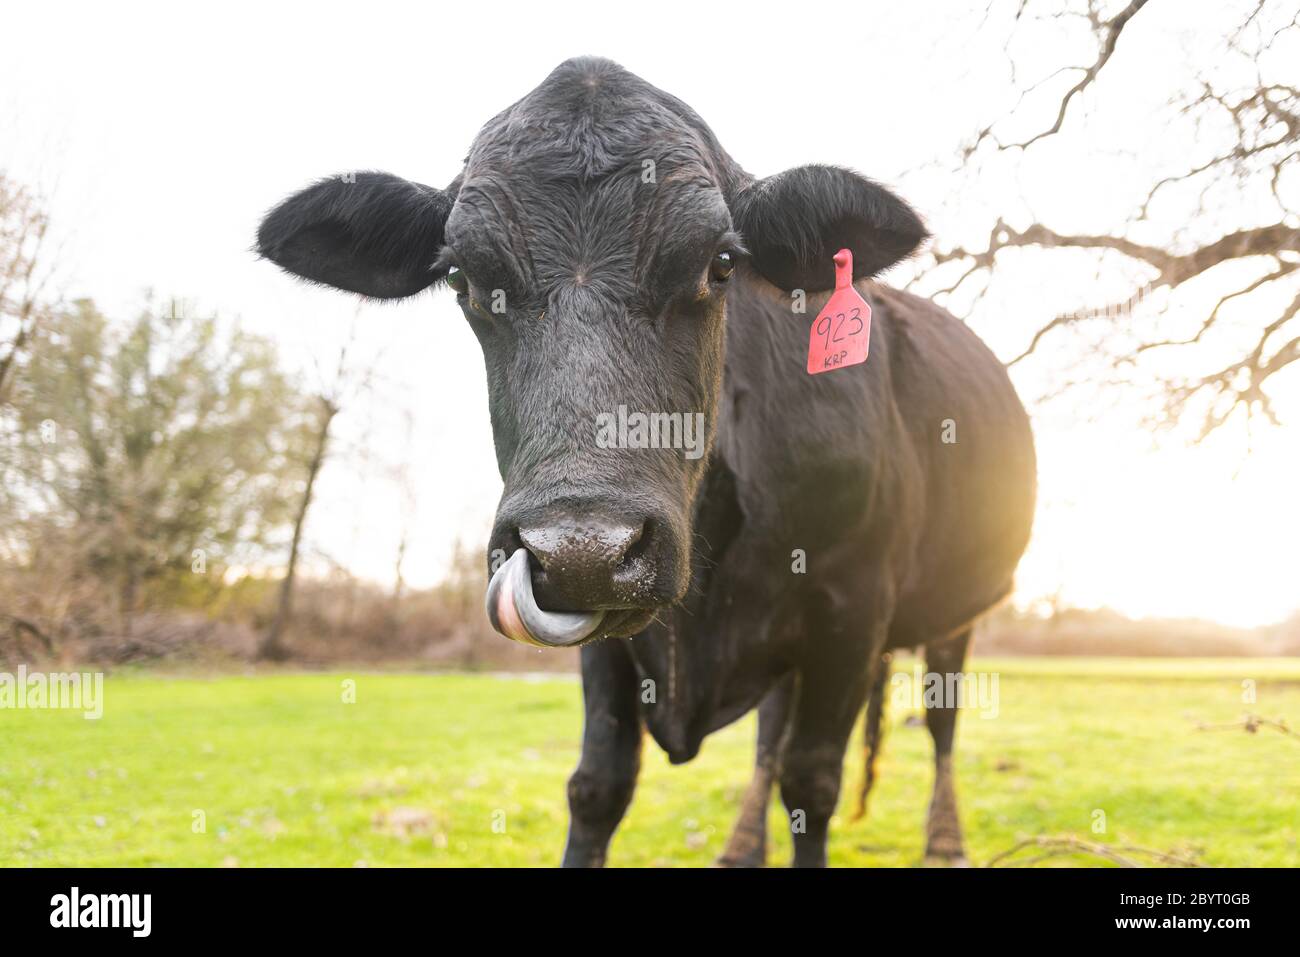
(1080, 631)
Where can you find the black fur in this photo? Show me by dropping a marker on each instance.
(610, 299)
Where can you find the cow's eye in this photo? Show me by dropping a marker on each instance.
(723, 265)
(457, 281)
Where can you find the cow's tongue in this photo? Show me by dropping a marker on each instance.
(513, 611)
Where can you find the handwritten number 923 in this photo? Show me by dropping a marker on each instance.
(833, 327)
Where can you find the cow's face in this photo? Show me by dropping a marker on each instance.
(590, 242)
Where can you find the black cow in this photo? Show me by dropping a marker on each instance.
(614, 261)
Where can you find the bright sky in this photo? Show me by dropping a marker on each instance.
(163, 131)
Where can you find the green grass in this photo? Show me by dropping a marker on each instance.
(286, 774)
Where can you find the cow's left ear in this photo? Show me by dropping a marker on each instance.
(793, 223)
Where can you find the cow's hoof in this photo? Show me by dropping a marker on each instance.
(945, 860)
(580, 857)
(747, 847)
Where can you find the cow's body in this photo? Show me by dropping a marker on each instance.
(852, 469)
(608, 253)
(907, 484)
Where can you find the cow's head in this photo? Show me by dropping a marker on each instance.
(590, 241)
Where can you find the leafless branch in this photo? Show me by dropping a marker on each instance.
(1109, 36)
(1251, 723)
(1125, 855)
(1243, 136)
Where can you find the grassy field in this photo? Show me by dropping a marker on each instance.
(470, 770)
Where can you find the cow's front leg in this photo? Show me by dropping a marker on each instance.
(600, 790)
(747, 846)
(832, 687)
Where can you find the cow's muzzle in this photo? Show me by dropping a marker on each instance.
(513, 611)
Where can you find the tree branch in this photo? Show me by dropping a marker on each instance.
(1110, 31)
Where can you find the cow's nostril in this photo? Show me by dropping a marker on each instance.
(639, 544)
(629, 544)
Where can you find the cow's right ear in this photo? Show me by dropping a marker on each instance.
(793, 223)
(370, 233)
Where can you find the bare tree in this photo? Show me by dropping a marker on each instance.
(348, 380)
(24, 225)
(401, 476)
(1226, 193)
(272, 646)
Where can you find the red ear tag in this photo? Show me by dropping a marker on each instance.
(841, 333)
